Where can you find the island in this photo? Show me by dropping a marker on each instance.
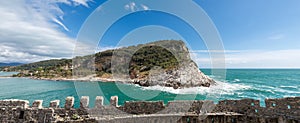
(164, 63)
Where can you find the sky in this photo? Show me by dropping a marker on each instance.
(254, 33)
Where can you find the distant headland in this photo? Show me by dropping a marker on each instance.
(165, 63)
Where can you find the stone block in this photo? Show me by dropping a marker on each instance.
(69, 103)
(84, 102)
(99, 102)
(114, 101)
(37, 104)
(54, 104)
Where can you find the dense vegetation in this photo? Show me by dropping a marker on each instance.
(47, 69)
(138, 60)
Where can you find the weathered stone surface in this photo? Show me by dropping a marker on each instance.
(286, 110)
(114, 101)
(54, 104)
(14, 103)
(143, 107)
(37, 104)
(99, 102)
(187, 75)
(69, 103)
(84, 102)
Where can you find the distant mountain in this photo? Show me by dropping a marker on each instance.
(10, 64)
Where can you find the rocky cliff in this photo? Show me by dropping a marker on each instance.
(187, 75)
(165, 63)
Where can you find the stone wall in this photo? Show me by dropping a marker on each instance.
(284, 110)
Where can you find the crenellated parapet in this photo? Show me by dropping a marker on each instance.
(54, 104)
(283, 110)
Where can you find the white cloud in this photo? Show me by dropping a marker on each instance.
(214, 51)
(255, 59)
(11, 54)
(50, 9)
(144, 7)
(61, 24)
(31, 32)
(82, 2)
(132, 6)
(276, 37)
(100, 49)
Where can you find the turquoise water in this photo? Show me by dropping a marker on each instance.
(239, 83)
(7, 73)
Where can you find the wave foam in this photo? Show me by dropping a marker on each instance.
(284, 86)
(220, 88)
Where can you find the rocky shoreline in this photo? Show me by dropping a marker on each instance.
(188, 75)
(83, 79)
(185, 77)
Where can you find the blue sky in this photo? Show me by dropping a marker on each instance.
(255, 33)
(256, 24)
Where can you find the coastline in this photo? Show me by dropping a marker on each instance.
(5, 77)
(90, 78)
(176, 79)
(83, 79)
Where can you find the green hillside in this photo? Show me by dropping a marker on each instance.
(139, 59)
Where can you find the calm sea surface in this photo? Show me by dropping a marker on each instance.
(239, 83)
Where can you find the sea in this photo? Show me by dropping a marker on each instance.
(237, 84)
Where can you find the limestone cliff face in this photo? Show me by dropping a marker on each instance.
(187, 75)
